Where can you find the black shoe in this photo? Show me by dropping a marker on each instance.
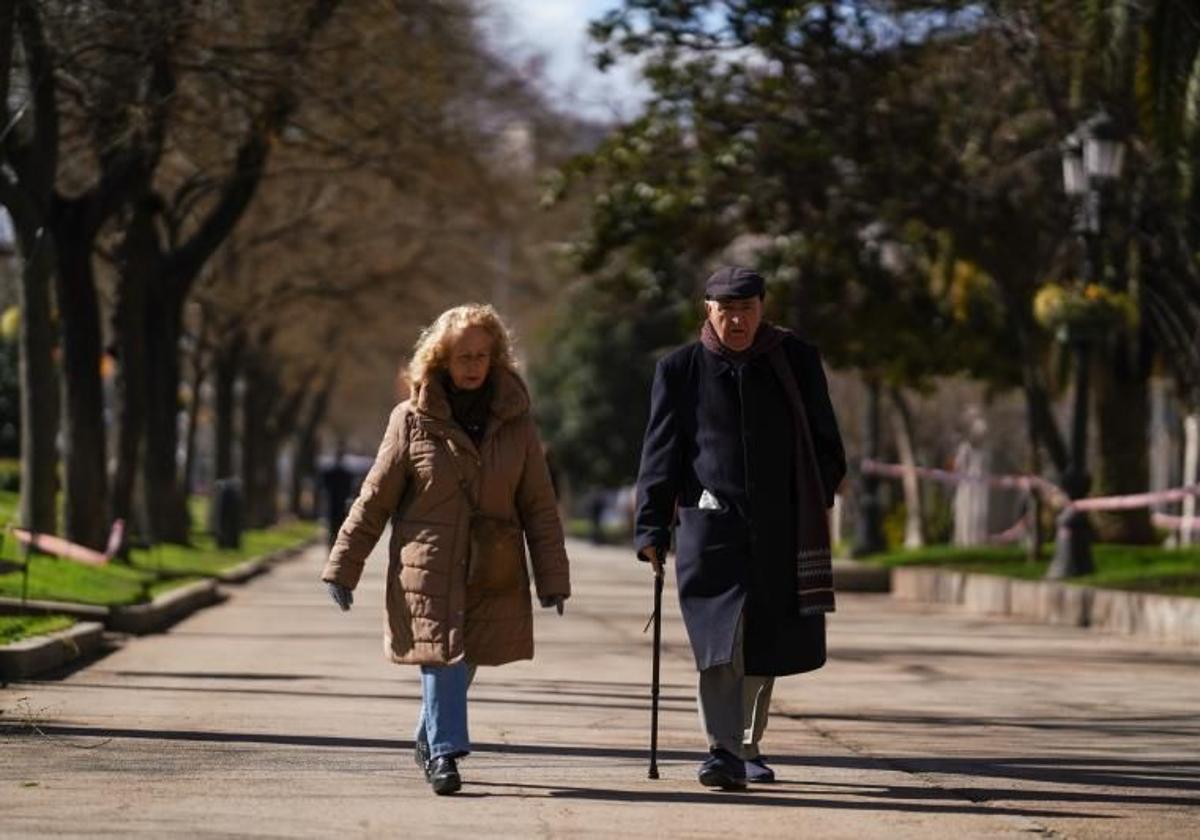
(421, 757)
(758, 771)
(442, 773)
(722, 769)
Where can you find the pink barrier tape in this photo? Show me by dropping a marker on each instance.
(1174, 523)
(1135, 500)
(1054, 494)
(1011, 535)
(1013, 482)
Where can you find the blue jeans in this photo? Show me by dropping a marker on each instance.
(443, 721)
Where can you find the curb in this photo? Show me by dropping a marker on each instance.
(1162, 618)
(165, 610)
(259, 565)
(857, 576)
(15, 606)
(244, 571)
(283, 555)
(44, 653)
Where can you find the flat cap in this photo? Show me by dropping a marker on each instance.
(733, 281)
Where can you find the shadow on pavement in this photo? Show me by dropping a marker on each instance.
(685, 703)
(1166, 776)
(1187, 726)
(770, 796)
(1023, 653)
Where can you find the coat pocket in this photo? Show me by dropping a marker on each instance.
(710, 552)
(497, 555)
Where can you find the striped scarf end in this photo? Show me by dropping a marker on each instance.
(817, 609)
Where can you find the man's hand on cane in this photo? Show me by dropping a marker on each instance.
(650, 555)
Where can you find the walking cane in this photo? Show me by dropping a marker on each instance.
(657, 619)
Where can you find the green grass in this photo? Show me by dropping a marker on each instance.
(51, 579)
(9, 502)
(203, 558)
(581, 529)
(13, 628)
(150, 571)
(1131, 567)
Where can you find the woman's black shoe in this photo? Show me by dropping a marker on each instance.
(443, 775)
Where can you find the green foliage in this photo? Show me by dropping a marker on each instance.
(13, 628)
(592, 390)
(10, 482)
(149, 572)
(894, 522)
(10, 402)
(1128, 567)
(63, 580)
(1091, 308)
(830, 146)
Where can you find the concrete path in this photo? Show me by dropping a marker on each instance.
(275, 715)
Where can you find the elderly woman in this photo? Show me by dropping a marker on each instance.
(462, 477)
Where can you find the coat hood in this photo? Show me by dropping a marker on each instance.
(510, 401)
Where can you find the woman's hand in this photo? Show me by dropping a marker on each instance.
(555, 601)
(341, 596)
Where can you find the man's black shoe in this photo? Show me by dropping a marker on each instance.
(421, 756)
(758, 771)
(722, 769)
(442, 773)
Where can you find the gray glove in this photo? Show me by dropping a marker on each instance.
(555, 601)
(341, 596)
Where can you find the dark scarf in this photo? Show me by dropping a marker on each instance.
(814, 561)
(766, 339)
(470, 409)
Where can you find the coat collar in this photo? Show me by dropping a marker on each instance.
(510, 401)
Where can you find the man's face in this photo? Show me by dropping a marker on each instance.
(736, 321)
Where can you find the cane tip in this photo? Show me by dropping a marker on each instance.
(653, 774)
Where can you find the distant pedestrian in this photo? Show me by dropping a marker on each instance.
(336, 484)
(742, 442)
(462, 477)
(597, 505)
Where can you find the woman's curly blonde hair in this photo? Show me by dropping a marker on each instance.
(432, 351)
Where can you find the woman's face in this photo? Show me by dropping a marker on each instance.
(470, 358)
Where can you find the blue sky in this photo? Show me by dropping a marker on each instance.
(557, 29)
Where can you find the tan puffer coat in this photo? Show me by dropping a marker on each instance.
(432, 615)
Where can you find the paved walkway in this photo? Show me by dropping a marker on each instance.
(275, 715)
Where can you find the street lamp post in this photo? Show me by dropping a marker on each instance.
(1092, 160)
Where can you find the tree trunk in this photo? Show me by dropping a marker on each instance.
(84, 456)
(256, 405)
(1191, 474)
(304, 464)
(39, 388)
(130, 335)
(199, 374)
(1122, 419)
(166, 502)
(869, 538)
(914, 531)
(1035, 537)
(226, 372)
(268, 510)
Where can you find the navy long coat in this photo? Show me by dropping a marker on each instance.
(728, 429)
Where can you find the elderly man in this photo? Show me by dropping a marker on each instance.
(742, 449)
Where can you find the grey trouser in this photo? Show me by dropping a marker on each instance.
(733, 706)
